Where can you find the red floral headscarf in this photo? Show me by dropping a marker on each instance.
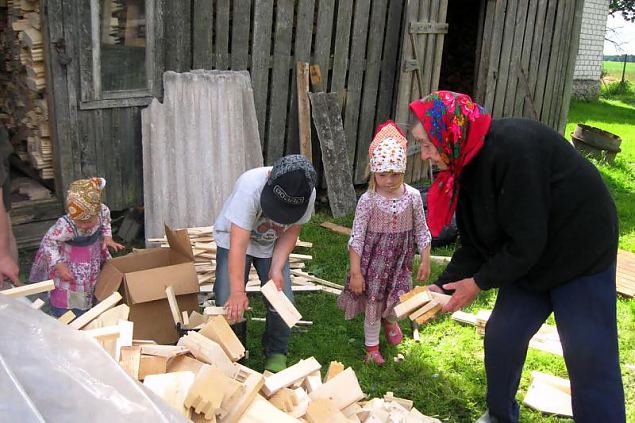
(457, 127)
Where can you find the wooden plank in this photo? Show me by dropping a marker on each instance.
(207, 351)
(495, 53)
(253, 382)
(406, 78)
(325, 411)
(174, 305)
(172, 388)
(505, 59)
(29, 289)
(304, 110)
(262, 411)
(523, 63)
(431, 309)
(341, 45)
(221, 35)
(241, 21)
(94, 312)
(390, 62)
(484, 57)
(552, 69)
(355, 77)
(177, 40)
(167, 351)
(438, 47)
(513, 95)
(573, 49)
(218, 330)
(285, 400)
(339, 229)
(343, 389)
(212, 392)
(425, 42)
(289, 376)
(278, 97)
(130, 360)
(549, 394)
(182, 363)
(323, 34)
(426, 307)
(565, 35)
(125, 337)
(406, 307)
(315, 279)
(625, 275)
(536, 49)
(539, 92)
(303, 33)
(37, 304)
(337, 169)
(151, 365)
(335, 368)
(366, 127)
(202, 34)
(261, 44)
(283, 306)
(67, 317)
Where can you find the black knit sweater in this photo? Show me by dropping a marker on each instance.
(531, 211)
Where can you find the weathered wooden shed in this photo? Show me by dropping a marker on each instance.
(105, 60)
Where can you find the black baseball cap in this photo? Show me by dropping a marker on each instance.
(287, 193)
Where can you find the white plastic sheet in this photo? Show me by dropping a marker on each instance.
(50, 372)
(195, 145)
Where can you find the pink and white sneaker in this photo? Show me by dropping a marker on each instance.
(393, 333)
(373, 356)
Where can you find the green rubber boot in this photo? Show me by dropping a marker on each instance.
(276, 362)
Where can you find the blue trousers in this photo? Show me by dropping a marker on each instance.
(275, 338)
(585, 314)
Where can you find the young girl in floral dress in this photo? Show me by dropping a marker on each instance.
(389, 225)
(75, 247)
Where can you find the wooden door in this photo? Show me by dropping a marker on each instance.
(527, 59)
(424, 28)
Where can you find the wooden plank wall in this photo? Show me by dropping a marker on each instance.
(526, 68)
(354, 43)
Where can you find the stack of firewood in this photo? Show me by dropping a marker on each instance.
(204, 249)
(23, 105)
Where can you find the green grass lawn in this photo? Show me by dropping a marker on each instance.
(444, 373)
(613, 71)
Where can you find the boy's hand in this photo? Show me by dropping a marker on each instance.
(424, 270)
(63, 272)
(236, 305)
(9, 269)
(357, 283)
(108, 242)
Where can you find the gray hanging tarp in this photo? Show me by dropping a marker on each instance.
(50, 372)
(195, 145)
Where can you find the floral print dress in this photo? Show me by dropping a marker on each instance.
(385, 234)
(82, 253)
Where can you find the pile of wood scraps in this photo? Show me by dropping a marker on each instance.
(23, 104)
(202, 379)
(420, 305)
(204, 249)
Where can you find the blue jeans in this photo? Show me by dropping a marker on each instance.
(585, 313)
(275, 338)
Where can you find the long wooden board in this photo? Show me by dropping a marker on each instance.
(327, 118)
(281, 303)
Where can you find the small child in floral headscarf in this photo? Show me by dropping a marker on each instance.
(75, 247)
(389, 225)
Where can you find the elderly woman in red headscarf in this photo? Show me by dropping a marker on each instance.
(537, 222)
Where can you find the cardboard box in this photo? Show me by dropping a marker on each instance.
(142, 277)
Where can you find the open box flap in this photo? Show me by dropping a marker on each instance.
(179, 241)
(149, 285)
(109, 281)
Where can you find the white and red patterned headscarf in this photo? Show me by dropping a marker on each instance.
(387, 152)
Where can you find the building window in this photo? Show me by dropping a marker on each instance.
(119, 69)
(123, 45)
